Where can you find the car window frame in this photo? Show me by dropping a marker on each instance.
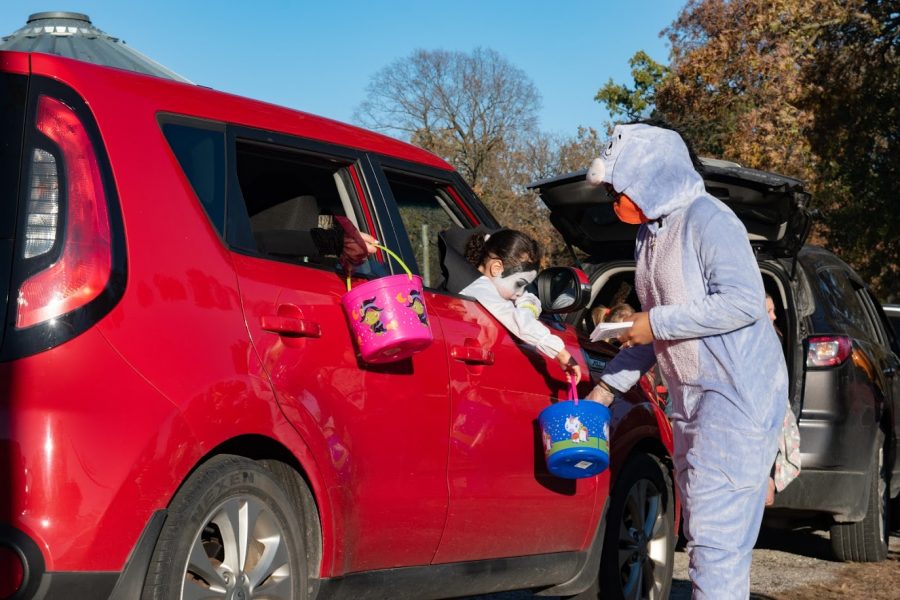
(468, 208)
(350, 159)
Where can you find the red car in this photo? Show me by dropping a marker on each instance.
(183, 410)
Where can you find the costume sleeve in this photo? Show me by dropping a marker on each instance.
(519, 321)
(626, 367)
(734, 295)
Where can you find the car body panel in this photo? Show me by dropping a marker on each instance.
(428, 463)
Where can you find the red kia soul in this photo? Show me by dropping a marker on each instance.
(184, 412)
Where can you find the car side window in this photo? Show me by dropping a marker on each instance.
(289, 199)
(843, 301)
(426, 209)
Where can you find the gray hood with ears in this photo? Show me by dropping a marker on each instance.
(651, 166)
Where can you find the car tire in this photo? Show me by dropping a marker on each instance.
(867, 540)
(639, 547)
(233, 530)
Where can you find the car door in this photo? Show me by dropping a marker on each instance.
(501, 495)
(377, 434)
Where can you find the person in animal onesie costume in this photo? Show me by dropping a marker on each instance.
(704, 321)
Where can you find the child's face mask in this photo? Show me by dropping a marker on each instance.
(511, 283)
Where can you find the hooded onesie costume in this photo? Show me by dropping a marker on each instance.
(697, 277)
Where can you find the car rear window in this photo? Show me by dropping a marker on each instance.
(200, 151)
(843, 303)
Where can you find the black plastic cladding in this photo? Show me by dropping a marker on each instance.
(18, 343)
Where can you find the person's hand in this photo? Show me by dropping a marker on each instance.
(357, 245)
(569, 365)
(371, 242)
(531, 302)
(640, 332)
(601, 393)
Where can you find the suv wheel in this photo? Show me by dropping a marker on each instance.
(639, 549)
(233, 531)
(867, 540)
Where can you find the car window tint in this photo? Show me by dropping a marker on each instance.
(290, 197)
(201, 154)
(426, 209)
(843, 302)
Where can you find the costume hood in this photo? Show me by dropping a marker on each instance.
(651, 165)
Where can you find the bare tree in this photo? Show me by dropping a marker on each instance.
(466, 108)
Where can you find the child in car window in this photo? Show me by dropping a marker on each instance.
(508, 261)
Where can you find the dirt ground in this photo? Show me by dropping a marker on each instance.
(798, 565)
(791, 565)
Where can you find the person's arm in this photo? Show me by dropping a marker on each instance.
(623, 372)
(521, 322)
(734, 296)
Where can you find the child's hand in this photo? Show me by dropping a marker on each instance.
(569, 365)
(531, 302)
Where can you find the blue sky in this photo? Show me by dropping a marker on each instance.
(319, 56)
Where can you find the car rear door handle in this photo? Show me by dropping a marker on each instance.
(290, 326)
(472, 355)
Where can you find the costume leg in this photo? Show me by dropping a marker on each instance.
(722, 472)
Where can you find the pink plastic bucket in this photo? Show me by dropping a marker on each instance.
(387, 316)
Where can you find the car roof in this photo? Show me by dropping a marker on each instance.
(113, 90)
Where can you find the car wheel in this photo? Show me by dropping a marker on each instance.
(233, 530)
(867, 540)
(638, 552)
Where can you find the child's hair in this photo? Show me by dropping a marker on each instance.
(517, 250)
(617, 313)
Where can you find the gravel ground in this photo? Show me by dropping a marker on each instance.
(791, 565)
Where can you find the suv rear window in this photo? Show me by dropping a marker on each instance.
(843, 304)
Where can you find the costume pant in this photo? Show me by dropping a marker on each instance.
(722, 465)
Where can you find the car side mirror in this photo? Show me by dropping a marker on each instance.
(562, 289)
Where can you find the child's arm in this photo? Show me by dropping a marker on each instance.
(522, 323)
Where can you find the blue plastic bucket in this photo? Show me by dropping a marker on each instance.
(575, 436)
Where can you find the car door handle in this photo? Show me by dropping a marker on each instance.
(290, 326)
(472, 355)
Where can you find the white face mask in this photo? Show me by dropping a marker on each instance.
(513, 285)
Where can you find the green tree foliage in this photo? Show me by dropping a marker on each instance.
(640, 101)
(807, 88)
(853, 91)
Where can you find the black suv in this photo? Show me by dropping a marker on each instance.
(841, 351)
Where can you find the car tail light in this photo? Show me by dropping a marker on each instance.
(12, 572)
(828, 351)
(85, 260)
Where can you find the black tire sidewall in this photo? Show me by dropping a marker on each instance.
(637, 468)
(220, 479)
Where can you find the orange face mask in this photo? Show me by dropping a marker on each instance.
(628, 211)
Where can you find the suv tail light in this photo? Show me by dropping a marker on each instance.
(85, 261)
(828, 351)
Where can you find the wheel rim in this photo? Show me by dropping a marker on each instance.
(643, 542)
(240, 553)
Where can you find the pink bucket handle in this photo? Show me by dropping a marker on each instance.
(573, 391)
(397, 258)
